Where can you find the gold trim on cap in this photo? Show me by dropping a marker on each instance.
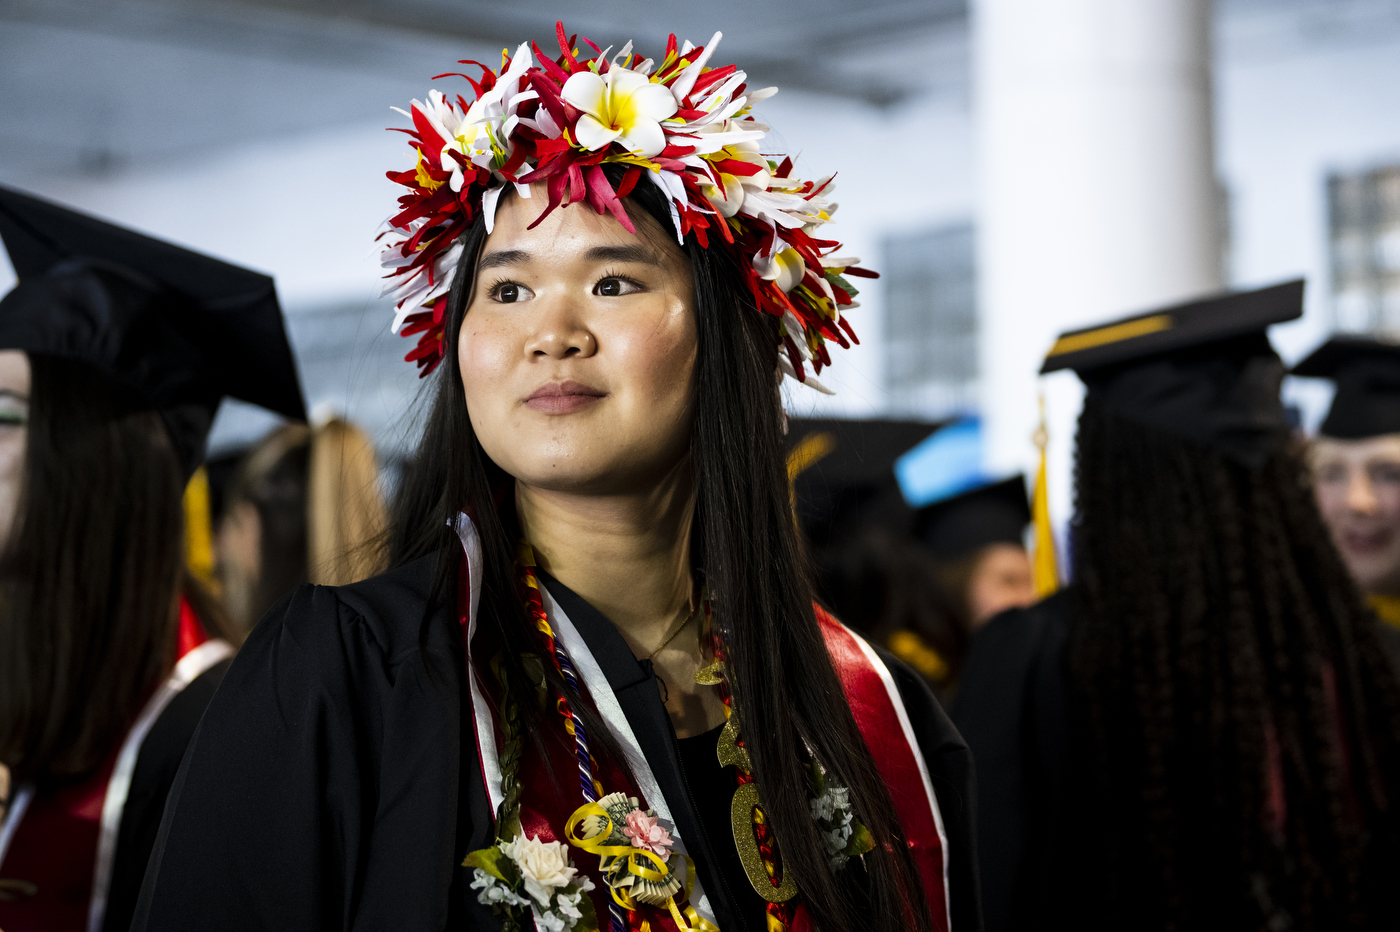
(1115, 333)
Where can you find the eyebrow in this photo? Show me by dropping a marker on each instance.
(628, 253)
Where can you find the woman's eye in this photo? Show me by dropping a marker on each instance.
(1330, 473)
(613, 287)
(508, 293)
(1388, 473)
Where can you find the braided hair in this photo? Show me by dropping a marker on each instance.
(1234, 707)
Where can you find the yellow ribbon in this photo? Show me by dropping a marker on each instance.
(687, 920)
(597, 846)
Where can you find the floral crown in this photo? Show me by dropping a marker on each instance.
(679, 124)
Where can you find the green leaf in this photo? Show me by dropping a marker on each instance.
(861, 841)
(815, 778)
(494, 862)
(840, 282)
(590, 918)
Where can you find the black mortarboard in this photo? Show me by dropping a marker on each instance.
(843, 474)
(996, 513)
(1203, 370)
(1367, 373)
(180, 329)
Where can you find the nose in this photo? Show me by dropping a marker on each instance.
(1361, 494)
(560, 331)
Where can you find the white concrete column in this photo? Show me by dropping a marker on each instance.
(1097, 195)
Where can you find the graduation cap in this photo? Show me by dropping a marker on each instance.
(1367, 373)
(1203, 370)
(995, 513)
(180, 329)
(843, 474)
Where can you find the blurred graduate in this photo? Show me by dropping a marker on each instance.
(1202, 730)
(1355, 461)
(869, 569)
(303, 505)
(115, 351)
(973, 526)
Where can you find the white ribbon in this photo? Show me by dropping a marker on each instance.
(603, 698)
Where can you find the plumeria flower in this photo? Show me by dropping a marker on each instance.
(730, 199)
(621, 106)
(785, 267)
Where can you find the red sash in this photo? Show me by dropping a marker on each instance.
(50, 866)
(884, 723)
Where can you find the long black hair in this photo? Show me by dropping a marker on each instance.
(1239, 717)
(743, 542)
(90, 577)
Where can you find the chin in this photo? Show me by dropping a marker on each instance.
(1374, 575)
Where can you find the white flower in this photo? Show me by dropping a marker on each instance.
(551, 922)
(833, 806)
(568, 905)
(621, 106)
(544, 866)
(786, 267)
(493, 891)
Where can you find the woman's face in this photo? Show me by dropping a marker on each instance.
(1357, 483)
(14, 433)
(1002, 579)
(578, 349)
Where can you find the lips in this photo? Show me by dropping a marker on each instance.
(1362, 542)
(563, 397)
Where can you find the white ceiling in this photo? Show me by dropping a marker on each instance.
(96, 85)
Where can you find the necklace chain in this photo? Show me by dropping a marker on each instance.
(672, 636)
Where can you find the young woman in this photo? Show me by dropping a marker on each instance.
(1201, 731)
(594, 692)
(106, 654)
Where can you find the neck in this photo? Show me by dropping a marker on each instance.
(628, 554)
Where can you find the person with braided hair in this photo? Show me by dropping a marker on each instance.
(593, 691)
(1202, 731)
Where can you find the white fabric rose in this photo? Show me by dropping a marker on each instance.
(543, 865)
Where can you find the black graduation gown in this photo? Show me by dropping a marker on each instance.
(1011, 710)
(333, 783)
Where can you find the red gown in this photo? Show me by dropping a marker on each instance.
(67, 854)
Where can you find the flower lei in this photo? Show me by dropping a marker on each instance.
(830, 805)
(682, 125)
(633, 845)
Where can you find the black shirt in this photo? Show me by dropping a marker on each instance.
(712, 793)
